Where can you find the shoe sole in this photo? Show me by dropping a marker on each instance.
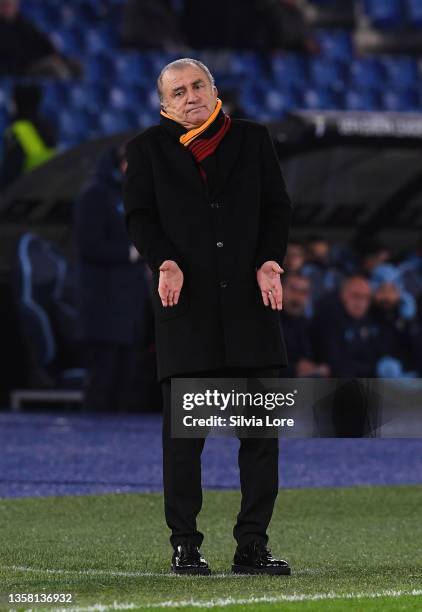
(270, 571)
(192, 572)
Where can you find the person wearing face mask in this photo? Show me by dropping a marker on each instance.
(112, 291)
(206, 206)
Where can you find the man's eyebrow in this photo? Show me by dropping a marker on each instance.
(183, 86)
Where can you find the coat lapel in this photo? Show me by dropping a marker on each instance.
(228, 154)
(183, 162)
(180, 159)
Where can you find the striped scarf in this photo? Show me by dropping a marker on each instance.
(212, 131)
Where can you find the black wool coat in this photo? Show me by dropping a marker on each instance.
(218, 237)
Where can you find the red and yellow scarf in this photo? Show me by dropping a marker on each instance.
(217, 125)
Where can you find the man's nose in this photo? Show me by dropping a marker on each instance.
(192, 96)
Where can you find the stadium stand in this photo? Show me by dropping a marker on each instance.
(116, 80)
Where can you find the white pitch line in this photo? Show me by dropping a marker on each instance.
(230, 601)
(131, 574)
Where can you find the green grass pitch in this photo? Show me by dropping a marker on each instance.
(354, 549)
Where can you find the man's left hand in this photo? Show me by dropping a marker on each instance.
(268, 278)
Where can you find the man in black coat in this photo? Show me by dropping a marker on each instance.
(206, 206)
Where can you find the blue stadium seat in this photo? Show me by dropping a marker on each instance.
(361, 100)
(384, 13)
(279, 101)
(327, 73)
(289, 69)
(113, 122)
(76, 125)
(5, 92)
(100, 68)
(320, 99)
(88, 96)
(100, 40)
(366, 74)
(247, 64)
(393, 100)
(414, 12)
(128, 98)
(401, 72)
(45, 15)
(253, 97)
(76, 13)
(155, 60)
(132, 69)
(55, 96)
(69, 41)
(146, 117)
(336, 44)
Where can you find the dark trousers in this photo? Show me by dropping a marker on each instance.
(258, 464)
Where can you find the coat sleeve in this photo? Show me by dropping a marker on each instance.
(276, 207)
(141, 213)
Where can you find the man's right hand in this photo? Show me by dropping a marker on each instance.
(170, 283)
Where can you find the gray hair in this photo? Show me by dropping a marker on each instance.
(179, 64)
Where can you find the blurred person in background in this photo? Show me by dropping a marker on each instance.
(284, 25)
(25, 50)
(343, 335)
(411, 271)
(295, 257)
(400, 333)
(30, 139)
(113, 293)
(258, 24)
(296, 295)
(318, 268)
(372, 253)
(151, 24)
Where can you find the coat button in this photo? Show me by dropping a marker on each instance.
(223, 284)
(220, 244)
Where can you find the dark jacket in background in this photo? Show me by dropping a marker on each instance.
(349, 346)
(21, 44)
(151, 24)
(399, 337)
(297, 338)
(218, 239)
(113, 292)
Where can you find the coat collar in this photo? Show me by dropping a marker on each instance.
(227, 155)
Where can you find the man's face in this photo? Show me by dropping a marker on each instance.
(356, 297)
(319, 251)
(188, 95)
(296, 292)
(295, 257)
(9, 9)
(387, 296)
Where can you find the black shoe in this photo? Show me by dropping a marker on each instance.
(256, 558)
(188, 560)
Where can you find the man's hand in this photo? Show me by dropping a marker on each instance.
(170, 283)
(268, 278)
